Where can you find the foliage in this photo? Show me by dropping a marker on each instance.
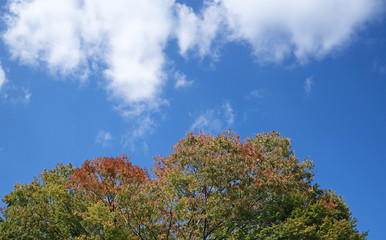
(210, 187)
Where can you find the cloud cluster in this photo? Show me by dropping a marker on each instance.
(277, 29)
(125, 40)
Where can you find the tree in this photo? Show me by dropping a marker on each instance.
(43, 209)
(210, 187)
(110, 186)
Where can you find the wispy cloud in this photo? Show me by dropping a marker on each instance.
(103, 138)
(16, 94)
(215, 120)
(308, 86)
(228, 113)
(145, 125)
(181, 80)
(136, 136)
(257, 94)
(3, 79)
(206, 120)
(379, 68)
(27, 96)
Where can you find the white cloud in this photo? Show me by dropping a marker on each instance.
(125, 39)
(181, 81)
(278, 29)
(308, 85)
(45, 31)
(3, 79)
(215, 120)
(198, 32)
(103, 138)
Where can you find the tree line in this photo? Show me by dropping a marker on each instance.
(209, 187)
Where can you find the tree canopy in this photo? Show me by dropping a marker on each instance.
(209, 187)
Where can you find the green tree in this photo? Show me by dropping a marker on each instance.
(210, 187)
(43, 209)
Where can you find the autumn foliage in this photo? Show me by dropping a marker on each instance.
(210, 187)
(104, 179)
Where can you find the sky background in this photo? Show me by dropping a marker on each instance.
(83, 79)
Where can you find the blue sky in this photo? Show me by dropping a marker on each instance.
(82, 79)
